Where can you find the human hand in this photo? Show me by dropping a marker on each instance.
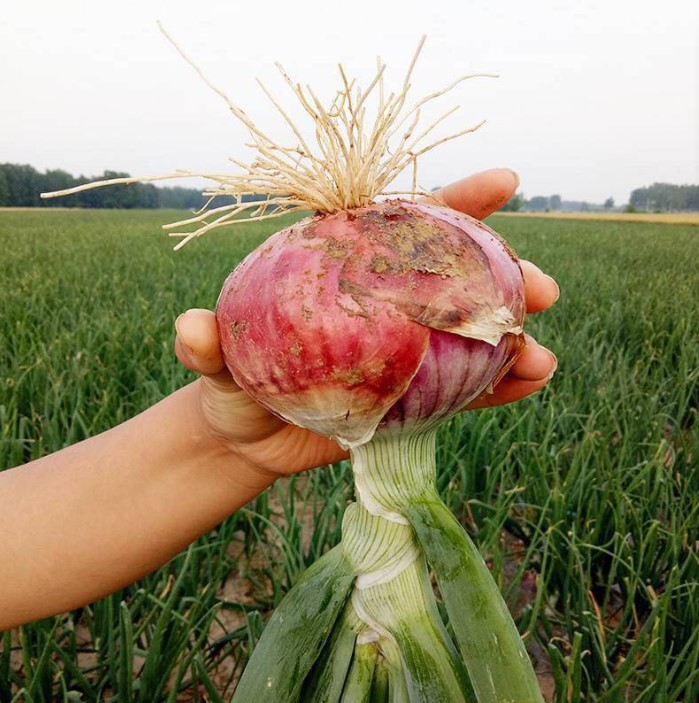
(256, 436)
(276, 448)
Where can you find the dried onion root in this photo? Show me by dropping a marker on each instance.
(350, 162)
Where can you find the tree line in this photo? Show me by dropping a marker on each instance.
(666, 197)
(539, 203)
(662, 197)
(21, 186)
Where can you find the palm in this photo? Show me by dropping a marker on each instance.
(257, 436)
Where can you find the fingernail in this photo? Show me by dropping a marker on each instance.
(554, 359)
(555, 283)
(516, 176)
(188, 349)
(177, 323)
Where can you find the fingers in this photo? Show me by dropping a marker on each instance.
(197, 344)
(540, 290)
(535, 363)
(509, 390)
(529, 374)
(481, 194)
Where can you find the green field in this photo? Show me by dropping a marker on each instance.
(585, 498)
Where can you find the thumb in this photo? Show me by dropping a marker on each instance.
(197, 344)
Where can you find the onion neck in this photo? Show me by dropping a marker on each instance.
(393, 470)
(393, 597)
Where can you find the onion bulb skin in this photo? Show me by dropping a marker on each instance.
(392, 316)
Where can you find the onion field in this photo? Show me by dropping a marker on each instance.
(584, 500)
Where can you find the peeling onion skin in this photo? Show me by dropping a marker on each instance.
(392, 316)
(455, 371)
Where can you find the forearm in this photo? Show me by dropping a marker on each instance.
(100, 514)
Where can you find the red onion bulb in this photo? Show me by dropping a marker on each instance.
(390, 316)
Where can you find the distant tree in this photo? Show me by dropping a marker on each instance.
(693, 198)
(514, 204)
(609, 203)
(538, 203)
(179, 198)
(666, 196)
(4, 190)
(639, 198)
(585, 207)
(120, 196)
(52, 181)
(136, 195)
(555, 202)
(22, 183)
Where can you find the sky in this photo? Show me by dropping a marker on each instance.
(594, 98)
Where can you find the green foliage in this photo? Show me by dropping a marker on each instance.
(538, 203)
(514, 204)
(178, 198)
(544, 203)
(21, 186)
(4, 190)
(662, 197)
(297, 631)
(583, 498)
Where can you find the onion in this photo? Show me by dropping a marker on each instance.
(371, 326)
(392, 315)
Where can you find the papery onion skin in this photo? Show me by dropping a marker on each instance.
(391, 315)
